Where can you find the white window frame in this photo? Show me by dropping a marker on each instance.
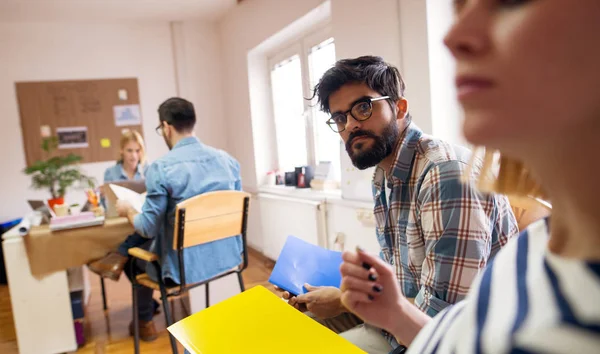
(301, 46)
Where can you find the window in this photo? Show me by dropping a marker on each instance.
(301, 133)
(320, 59)
(288, 109)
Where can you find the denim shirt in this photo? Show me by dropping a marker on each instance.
(116, 173)
(189, 169)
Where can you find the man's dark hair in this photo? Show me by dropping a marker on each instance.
(179, 113)
(373, 71)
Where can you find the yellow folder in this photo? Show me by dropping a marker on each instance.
(256, 321)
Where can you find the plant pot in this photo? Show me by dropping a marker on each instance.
(56, 201)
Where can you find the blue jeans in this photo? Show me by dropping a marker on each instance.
(133, 240)
(146, 304)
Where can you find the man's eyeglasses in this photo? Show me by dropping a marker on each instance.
(159, 129)
(361, 110)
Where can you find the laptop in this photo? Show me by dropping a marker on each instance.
(42, 206)
(138, 186)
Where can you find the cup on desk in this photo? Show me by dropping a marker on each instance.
(98, 211)
(61, 210)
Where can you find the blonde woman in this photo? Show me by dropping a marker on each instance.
(529, 84)
(130, 166)
(132, 162)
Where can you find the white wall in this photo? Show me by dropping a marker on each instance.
(399, 35)
(360, 29)
(197, 52)
(415, 61)
(73, 51)
(241, 30)
(53, 51)
(393, 29)
(446, 112)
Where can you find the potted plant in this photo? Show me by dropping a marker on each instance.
(57, 173)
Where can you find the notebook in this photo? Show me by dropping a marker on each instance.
(257, 321)
(301, 262)
(85, 219)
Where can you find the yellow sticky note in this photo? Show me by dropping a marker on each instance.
(105, 143)
(260, 323)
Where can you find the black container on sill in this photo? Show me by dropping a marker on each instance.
(290, 179)
(304, 175)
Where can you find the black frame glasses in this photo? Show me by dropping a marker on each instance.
(159, 130)
(361, 110)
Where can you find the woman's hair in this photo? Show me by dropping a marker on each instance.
(504, 175)
(132, 135)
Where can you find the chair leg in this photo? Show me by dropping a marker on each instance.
(186, 312)
(241, 280)
(168, 317)
(103, 294)
(136, 320)
(207, 294)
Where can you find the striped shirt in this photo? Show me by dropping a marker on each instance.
(437, 232)
(527, 301)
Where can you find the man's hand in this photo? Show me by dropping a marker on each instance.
(123, 207)
(292, 300)
(323, 301)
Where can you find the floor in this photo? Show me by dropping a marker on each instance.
(110, 334)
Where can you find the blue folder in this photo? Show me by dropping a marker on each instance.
(301, 262)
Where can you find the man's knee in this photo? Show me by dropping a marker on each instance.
(339, 323)
(367, 338)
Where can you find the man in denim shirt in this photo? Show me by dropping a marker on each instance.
(189, 169)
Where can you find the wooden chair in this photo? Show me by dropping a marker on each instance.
(528, 210)
(205, 218)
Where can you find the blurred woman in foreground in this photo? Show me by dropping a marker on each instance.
(529, 84)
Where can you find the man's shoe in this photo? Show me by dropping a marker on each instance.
(110, 266)
(156, 306)
(147, 331)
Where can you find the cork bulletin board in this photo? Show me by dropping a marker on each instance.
(87, 116)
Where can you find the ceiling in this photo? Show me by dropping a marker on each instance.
(112, 10)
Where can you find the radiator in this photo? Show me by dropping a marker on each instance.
(281, 216)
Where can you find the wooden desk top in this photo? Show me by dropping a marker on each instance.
(49, 251)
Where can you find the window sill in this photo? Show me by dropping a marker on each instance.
(301, 193)
(330, 196)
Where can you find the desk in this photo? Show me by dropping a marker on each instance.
(41, 304)
(49, 251)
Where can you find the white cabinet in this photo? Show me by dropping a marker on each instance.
(254, 232)
(325, 220)
(281, 216)
(351, 224)
(41, 307)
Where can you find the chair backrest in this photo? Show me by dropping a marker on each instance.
(210, 217)
(528, 210)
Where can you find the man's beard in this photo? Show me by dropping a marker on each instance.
(382, 146)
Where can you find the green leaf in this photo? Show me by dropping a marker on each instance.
(57, 173)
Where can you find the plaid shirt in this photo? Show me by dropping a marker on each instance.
(437, 232)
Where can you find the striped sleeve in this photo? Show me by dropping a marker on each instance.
(526, 301)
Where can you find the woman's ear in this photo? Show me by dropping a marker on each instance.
(401, 108)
